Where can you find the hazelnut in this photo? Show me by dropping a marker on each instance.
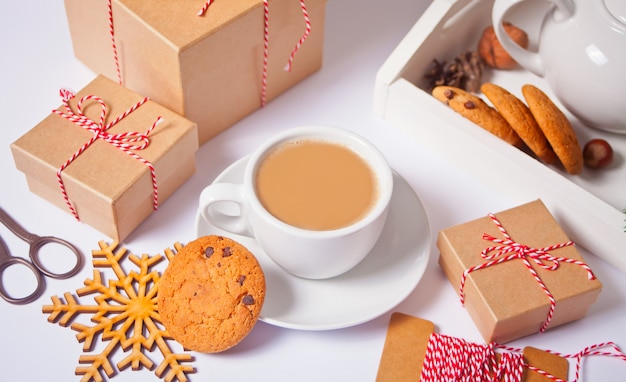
(598, 153)
(492, 52)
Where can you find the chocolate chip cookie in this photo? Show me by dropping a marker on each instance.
(477, 111)
(211, 294)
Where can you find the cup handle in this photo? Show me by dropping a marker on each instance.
(217, 206)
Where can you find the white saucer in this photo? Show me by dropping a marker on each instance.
(381, 281)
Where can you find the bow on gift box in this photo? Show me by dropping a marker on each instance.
(508, 249)
(127, 141)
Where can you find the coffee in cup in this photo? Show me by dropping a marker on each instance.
(314, 198)
(316, 184)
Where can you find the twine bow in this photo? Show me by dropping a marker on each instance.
(508, 249)
(126, 142)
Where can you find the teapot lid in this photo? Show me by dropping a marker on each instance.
(617, 9)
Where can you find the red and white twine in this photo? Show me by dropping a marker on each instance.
(266, 48)
(127, 141)
(206, 6)
(508, 249)
(453, 359)
(116, 60)
(266, 33)
(307, 31)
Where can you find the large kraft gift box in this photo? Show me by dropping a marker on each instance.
(207, 68)
(501, 294)
(109, 189)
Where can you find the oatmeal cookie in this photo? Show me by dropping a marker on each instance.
(521, 120)
(556, 127)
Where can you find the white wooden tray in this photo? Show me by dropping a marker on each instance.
(588, 206)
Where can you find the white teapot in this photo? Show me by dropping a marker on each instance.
(581, 52)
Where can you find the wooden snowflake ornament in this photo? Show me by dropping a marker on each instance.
(125, 315)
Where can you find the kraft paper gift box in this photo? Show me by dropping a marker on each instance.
(504, 299)
(109, 189)
(207, 68)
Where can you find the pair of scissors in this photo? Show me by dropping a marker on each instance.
(35, 265)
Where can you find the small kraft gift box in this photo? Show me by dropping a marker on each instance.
(108, 156)
(517, 272)
(213, 62)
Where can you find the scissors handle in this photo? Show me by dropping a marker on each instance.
(6, 262)
(41, 241)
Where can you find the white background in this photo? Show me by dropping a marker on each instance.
(37, 60)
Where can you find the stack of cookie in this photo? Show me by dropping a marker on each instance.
(541, 125)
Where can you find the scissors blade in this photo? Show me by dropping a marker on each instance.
(4, 251)
(15, 227)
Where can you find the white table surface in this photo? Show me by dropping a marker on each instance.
(37, 60)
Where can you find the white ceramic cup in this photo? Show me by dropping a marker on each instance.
(305, 253)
